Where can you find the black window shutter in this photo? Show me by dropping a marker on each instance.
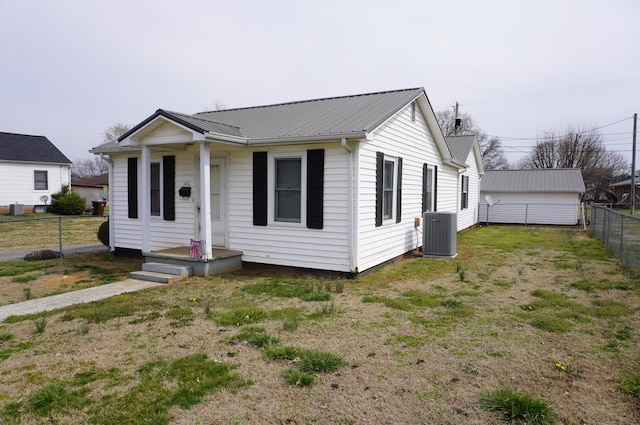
(315, 188)
(132, 187)
(260, 188)
(399, 192)
(424, 187)
(379, 187)
(435, 188)
(169, 187)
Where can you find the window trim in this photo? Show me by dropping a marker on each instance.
(429, 201)
(273, 157)
(44, 173)
(393, 191)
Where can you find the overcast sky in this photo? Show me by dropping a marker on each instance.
(70, 69)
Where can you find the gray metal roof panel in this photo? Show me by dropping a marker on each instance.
(460, 146)
(27, 148)
(534, 180)
(319, 117)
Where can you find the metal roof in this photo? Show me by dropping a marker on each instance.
(535, 180)
(460, 146)
(26, 148)
(338, 116)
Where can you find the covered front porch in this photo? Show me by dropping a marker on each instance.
(169, 265)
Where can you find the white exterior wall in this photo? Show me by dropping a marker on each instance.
(531, 208)
(127, 231)
(399, 137)
(18, 182)
(291, 244)
(469, 216)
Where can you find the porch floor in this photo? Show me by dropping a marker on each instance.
(182, 253)
(223, 261)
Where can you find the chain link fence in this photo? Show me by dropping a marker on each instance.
(620, 232)
(64, 235)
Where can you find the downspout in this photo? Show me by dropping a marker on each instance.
(352, 227)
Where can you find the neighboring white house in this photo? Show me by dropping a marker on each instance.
(537, 196)
(330, 184)
(467, 151)
(31, 168)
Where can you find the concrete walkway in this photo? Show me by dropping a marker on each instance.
(55, 302)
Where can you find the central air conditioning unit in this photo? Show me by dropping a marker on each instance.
(439, 233)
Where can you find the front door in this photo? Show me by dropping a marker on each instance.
(218, 194)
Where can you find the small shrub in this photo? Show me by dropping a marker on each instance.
(66, 202)
(103, 233)
(517, 407)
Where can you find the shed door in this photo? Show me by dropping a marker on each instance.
(218, 195)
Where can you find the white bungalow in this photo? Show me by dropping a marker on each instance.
(330, 184)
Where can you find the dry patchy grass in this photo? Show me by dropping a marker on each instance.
(419, 345)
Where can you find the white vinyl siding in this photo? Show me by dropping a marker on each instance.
(469, 216)
(284, 244)
(399, 137)
(531, 208)
(19, 182)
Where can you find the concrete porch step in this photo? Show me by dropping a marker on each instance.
(172, 269)
(155, 277)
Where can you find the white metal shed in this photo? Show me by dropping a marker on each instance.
(536, 196)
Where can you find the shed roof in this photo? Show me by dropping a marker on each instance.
(26, 148)
(534, 180)
(339, 116)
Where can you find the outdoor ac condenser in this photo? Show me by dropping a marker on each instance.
(439, 232)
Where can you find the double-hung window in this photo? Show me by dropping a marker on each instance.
(388, 189)
(464, 201)
(40, 180)
(288, 189)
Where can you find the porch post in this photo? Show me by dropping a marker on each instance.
(145, 210)
(205, 201)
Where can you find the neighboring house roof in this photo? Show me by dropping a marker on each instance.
(535, 180)
(626, 182)
(95, 181)
(26, 148)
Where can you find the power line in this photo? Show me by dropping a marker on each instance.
(548, 91)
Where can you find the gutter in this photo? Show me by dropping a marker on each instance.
(352, 227)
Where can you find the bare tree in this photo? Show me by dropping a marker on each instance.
(577, 147)
(112, 133)
(95, 165)
(89, 167)
(491, 150)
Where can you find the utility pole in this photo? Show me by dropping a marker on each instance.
(633, 165)
(456, 122)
